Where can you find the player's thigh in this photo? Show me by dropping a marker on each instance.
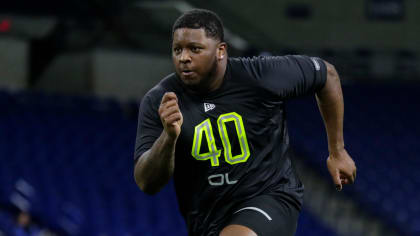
(237, 230)
(266, 216)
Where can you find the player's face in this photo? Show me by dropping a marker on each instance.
(195, 57)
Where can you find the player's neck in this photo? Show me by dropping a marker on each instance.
(218, 76)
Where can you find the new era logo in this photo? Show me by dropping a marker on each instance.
(209, 106)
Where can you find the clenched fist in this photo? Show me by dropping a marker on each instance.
(170, 115)
(342, 168)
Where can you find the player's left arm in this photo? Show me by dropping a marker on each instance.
(330, 102)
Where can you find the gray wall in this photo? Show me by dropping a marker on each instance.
(13, 63)
(126, 74)
(69, 73)
(105, 73)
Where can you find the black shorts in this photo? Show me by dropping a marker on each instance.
(266, 215)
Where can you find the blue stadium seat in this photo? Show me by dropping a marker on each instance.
(382, 135)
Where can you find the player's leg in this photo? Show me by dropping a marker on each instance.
(264, 216)
(237, 230)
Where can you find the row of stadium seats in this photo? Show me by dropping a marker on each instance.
(69, 162)
(382, 134)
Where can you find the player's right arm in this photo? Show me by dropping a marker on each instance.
(155, 167)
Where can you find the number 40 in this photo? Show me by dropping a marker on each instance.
(205, 130)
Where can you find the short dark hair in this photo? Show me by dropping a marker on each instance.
(201, 18)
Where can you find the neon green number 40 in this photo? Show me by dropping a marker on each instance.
(204, 129)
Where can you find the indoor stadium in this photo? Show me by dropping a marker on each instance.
(76, 76)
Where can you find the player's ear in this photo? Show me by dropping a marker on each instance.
(221, 50)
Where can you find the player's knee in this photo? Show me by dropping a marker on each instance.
(237, 230)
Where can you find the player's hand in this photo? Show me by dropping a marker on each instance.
(170, 115)
(342, 168)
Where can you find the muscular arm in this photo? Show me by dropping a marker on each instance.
(331, 105)
(155, 167)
